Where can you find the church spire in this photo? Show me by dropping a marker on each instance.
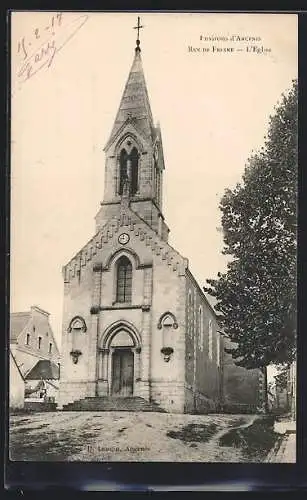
(134, 155)
(134, 105)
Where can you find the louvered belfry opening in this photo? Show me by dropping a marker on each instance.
(134, 157)
(122, 169)
(128, 170)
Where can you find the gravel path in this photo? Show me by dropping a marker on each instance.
(227, 453)
(119, 436)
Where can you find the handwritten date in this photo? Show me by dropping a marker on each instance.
(38, 50)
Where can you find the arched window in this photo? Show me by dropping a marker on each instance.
(218, 348)
(77, 323)
(124, 280)
(157, 183)
(77, 327)
(210, 338)
(190, 312)
(122, 169)
(134, 157)
(201, 328)
(168, 323)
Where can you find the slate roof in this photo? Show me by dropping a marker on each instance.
(135, 101)
(14, 361)
(44, 369)
(212, 300)
(17, 324)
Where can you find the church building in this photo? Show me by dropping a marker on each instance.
(135, 321)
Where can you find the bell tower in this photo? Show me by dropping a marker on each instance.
(134, 160)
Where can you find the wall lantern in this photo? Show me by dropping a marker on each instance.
(75, 355)
(167, 352)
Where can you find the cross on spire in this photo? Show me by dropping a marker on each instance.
(138, 27)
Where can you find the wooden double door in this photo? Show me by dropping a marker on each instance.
(122, 372)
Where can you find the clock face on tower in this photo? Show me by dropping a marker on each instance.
(123, 238)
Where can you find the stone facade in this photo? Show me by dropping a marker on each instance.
(203, 375)
(162, 342)
(158, 287)
(243, 390)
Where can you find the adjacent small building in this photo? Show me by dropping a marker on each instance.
(34, 354)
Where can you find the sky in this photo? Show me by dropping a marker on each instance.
(213, 108)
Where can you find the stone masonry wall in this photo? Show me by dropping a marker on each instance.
(162, 290)
(203, 368)
(145, 166)
(241, 387)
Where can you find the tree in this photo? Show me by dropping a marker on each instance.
(256, 295)
(281, 379)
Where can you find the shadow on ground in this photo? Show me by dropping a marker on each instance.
(194, 432)
(255, 441)
(51, 446)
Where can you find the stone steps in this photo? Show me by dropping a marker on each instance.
(105, 403)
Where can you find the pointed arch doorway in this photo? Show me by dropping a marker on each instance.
(119, 361)
(122, 364)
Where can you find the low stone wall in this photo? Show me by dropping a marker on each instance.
(39, 406)
(237, 408)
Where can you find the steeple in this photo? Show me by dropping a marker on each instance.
(134, 104)
(134, 156)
